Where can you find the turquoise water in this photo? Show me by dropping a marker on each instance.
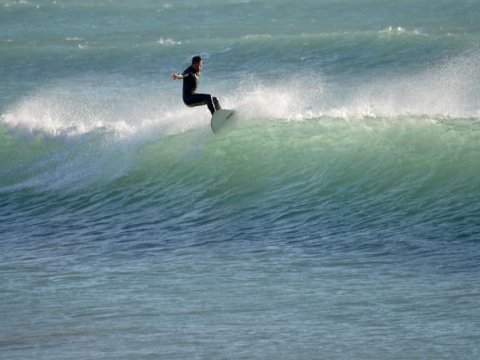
(338, 218)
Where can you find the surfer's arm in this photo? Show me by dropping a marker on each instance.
(179, 76)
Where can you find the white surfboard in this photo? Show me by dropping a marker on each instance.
(220, 118)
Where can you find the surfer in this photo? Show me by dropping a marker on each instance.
(191, 77)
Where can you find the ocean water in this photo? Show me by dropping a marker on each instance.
(338, 218)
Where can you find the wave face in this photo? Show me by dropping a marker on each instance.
(338, 215)
(421, 170)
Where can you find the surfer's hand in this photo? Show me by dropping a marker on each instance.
(175, 76)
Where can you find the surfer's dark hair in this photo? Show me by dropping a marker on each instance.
(196, 59)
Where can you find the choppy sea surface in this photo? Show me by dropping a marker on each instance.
(337, 218)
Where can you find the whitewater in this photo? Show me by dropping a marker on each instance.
(337, 218)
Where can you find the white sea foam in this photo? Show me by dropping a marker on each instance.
(78, 106)
(168, 41)
(449, 89)
(74, 107)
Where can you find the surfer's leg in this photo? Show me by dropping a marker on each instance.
(212, 102)
(194, 100)
(210, 105)
(216, 104)
(200, 99)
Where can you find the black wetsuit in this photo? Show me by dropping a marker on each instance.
(190, 97)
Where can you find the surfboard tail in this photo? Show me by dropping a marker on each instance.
(220, 118)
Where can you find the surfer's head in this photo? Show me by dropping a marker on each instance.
(197, 63)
